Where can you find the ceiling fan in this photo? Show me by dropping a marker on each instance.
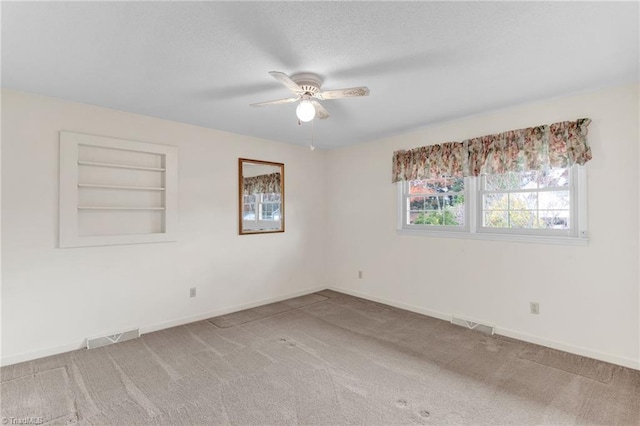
(306, 88)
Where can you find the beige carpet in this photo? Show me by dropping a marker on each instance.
(327, 359)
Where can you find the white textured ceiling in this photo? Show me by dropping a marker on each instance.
(204, 63)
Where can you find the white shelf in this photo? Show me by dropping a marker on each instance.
(120, 166)
(110, 193)
(118, 208)
(134, 188)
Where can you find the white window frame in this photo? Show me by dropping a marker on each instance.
(473, 229)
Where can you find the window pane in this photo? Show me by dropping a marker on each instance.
(523, 219)
(446, 185)
(271, 198)
(457, 212)
(437, 210)
(506, 181)
(555, 200)
(457, 199)
(437, 202)
(249, 211)
(270, 211)
(428, 217)
(424, 187)
(495, 202)
(448, 217)
(554, 178)
(523, 201)
(416, 203)
(436, 186)
(554, 219)
(417, 187)
(456, 184)
(496, 219)
(434, 203)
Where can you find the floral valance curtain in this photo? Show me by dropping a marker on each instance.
(557, 145)
(263, 184)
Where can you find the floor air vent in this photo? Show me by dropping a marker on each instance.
(97, 342)
(473, 325)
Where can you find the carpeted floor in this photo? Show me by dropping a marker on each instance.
(328, 359)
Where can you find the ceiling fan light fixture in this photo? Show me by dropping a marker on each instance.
(305, 111)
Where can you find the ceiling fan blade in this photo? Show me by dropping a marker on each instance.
(289, 84)
(279, 101)
(343, 93)
(322, 113)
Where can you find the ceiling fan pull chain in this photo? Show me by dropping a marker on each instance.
(312, 146)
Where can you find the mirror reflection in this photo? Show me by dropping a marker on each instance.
(261, 204)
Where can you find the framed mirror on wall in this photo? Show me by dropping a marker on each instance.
(261, 196)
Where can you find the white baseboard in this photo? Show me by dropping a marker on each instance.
(186, 320)
(542, 341)
(41, 353)
(578, 350)
(406, 307)
(81, 344)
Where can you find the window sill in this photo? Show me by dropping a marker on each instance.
(535, 239)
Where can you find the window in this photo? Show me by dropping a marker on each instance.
(269, 207)
(260, 209)
(531, 205)
(532, 200)
(436, 203)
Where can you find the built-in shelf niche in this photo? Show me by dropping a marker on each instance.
(115, 191)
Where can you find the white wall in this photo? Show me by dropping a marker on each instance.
(589, 297)
(54, 298)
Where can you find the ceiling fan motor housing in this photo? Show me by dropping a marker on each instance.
(308, 82)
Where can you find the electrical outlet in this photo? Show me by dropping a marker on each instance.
(360, 274)
(534, 308)
(192, 292)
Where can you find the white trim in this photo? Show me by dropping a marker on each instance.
(400, 209)
(565, 347)
(474, 208)
(537, 239)
(41, 353)
(149, 328)
(582, 200)
(200, 317)
(405, 306)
